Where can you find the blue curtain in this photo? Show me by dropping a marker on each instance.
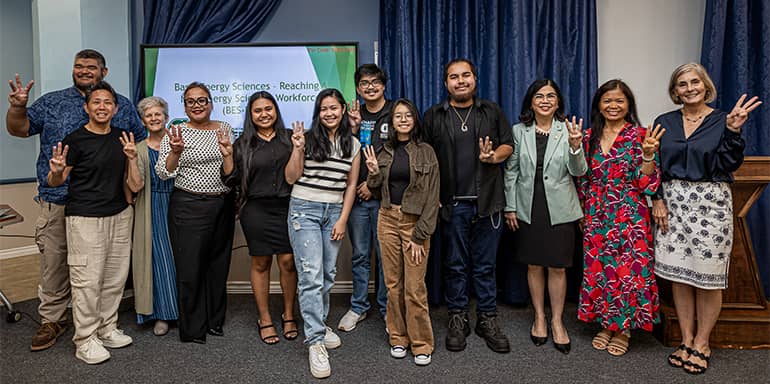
(512, 42)
(736, 52)
(210, 21)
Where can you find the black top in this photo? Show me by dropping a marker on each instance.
(379, 123)
(96, 179)
(465, 140)
(487, 120)
(399, 176)
(267, 163)
(711, 153)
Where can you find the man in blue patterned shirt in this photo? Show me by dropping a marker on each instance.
(53, 116)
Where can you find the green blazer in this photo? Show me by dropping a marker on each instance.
(559, 166)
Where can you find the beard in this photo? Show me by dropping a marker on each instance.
(463, 97)
(84, 88)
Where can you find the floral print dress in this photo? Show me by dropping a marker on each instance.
(618, 289)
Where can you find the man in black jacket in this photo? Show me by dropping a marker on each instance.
(471, 138)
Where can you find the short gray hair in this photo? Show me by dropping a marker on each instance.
(711, 91)
(149, 102)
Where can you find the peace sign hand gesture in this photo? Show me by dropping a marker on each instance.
(225, 146)
(298, 134)
(59, 159)
(575, 130)
(129, 146)
(175, 139)
(486, 153)
(651, 141)
(354, 114)
(371, 160)
(740, 112)
(19, 94)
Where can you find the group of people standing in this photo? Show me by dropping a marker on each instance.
(387, 179)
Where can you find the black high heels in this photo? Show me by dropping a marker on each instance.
(537, 340)
(563, 348)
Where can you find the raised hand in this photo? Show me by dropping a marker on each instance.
(175, 139)
(740, 112)
(298, 134)
(129, 145)
(371, 160)
(354, 113)
(59, 159)
(19, 93)
(486, 153)
(651, 141)
(418, 252)
(223, 138)
(575, 133)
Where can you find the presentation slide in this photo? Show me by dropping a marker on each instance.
(293, 74)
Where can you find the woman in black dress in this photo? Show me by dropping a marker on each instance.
(542, 204)
(257, 172)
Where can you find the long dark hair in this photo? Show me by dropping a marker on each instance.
(416, 135)
(597, 119)
(317, 143)
(248, 140)
(527, 115)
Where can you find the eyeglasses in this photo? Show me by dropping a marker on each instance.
(550, 96)
(203, 101)
(400, 116)
(366, 83)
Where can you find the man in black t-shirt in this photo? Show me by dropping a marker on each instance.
(100, 162)
(362, 223)
(471, 138)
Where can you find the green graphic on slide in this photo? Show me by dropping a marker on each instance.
(333, 64)
(150, 66)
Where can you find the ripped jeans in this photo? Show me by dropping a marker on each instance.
(315, 257)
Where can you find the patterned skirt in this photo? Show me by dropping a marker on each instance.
(696, 249)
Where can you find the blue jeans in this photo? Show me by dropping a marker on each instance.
(471, 250)
(362, 227)
(315, 257)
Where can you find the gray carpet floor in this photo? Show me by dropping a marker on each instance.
(240, 357)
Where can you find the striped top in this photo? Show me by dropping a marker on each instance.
(200, 163)
(325, 181)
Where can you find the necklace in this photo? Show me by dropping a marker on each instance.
(542, 131)
(266, 137)
(463, 125)
(695, 120)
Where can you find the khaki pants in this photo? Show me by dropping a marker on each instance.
(407, 316)
(54, 288)
(99, 255)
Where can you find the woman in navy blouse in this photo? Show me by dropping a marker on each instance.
(693, 207)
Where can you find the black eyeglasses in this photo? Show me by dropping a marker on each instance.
(203, 101)
(366, 83)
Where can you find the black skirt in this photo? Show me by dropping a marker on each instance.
(541, 243)
(264, 226)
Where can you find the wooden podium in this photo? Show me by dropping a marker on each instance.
(744, 322)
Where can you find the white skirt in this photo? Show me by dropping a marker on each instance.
(696, 249)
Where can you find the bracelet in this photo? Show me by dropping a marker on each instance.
(646, 160)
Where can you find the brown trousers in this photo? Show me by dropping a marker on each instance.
(407, 313)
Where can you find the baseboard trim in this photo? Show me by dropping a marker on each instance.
(244, 287)
(12, 253)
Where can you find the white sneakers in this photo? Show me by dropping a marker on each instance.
(116, 339)
(331, 340)
(92, 352)
(318, 358)
(349, 321)
(422, 359)
(398, 351)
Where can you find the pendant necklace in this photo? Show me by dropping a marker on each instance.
(695, 120)
(463, 125)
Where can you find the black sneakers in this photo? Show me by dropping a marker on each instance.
(458, 331)
(487, 328)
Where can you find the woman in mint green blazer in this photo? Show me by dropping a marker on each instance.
(542, 206)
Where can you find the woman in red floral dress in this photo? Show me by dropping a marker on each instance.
(618, 289)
